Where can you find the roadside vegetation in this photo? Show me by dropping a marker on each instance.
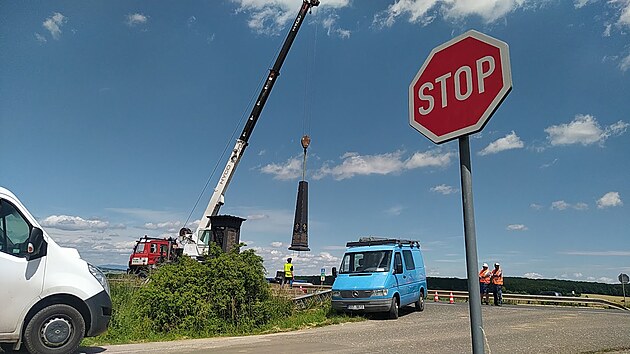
(227, 295)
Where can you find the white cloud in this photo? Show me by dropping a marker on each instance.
(170, 226)
(509, 142)
(624, 16)
(577, 275)
(40, 38)
(444, 189)
(562, 205)
(605, 280)
(547, 165)
(276, 244)
(580, 3)
(289, 170)
(54, 23)
(585, 130)
(136, 19)
(75, 223)
(355, 164)
(424, 12)
(624, 65)
(191, 21)
(432, 158)
(598, 253)
(535, 206)
(516, 227)
(330, 24)
(382, 164)
(533, 275)
(270, 16)
(395, 210)
(257, 217)
(610, 199)
(580, 206)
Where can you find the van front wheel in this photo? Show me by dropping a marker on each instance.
(393, 310)
(55, 329)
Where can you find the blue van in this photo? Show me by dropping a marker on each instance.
(380, 275)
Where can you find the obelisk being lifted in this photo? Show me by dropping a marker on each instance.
(299, 241)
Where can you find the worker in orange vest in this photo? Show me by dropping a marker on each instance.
(484, 283)
(496, 277)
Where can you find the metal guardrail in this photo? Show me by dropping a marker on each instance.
(543, 299)
(303, 301)
(322, 295)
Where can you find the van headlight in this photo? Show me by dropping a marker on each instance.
(336, 293)
(379, 292)
(99, 276)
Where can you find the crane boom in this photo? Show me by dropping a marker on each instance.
(198, 240)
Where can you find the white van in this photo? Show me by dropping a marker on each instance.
(50, 298)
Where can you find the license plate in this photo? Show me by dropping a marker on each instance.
(356, 307)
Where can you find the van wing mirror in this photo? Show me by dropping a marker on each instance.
(35, 242)
(334, 272)
(399, 269)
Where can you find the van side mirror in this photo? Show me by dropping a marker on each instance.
(35, 243)
(334, 272)
(399, 269)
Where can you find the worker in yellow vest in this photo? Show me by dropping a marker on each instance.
(496, 277)
(288, 273)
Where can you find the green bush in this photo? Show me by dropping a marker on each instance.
(225, 295)
(226, 292)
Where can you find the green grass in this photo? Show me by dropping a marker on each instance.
(616, 299)
(128, 325)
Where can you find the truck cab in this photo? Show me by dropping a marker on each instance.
(380, 275)
(51, 298)
(150, 252)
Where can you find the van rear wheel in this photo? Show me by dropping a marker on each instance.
(420, 302)
(55, 329)
(393, 309)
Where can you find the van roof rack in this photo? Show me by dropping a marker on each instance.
(376, 241)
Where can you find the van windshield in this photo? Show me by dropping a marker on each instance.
(366, 262)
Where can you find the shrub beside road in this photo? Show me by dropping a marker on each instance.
(226, 295)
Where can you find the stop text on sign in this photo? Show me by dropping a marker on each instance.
(459, 86)
(462, 83)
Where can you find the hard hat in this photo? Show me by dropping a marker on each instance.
(497, 264)
(485, 265)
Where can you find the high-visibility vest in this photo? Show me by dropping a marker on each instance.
(288, 273)
(484, 276)
(497, 277)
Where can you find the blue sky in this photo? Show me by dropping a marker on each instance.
(114, 114)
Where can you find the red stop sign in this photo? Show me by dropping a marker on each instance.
(459, 86)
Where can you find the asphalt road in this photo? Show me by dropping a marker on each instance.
(441, 328)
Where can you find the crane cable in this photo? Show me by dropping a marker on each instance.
(307, 109)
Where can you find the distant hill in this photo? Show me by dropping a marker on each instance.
(112, 268)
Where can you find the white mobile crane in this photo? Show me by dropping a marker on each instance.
(196, 244)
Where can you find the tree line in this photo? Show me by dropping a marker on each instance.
(513, 285)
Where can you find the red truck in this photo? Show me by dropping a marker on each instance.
(150, 252)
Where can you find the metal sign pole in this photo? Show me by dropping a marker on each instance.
(474, 303)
